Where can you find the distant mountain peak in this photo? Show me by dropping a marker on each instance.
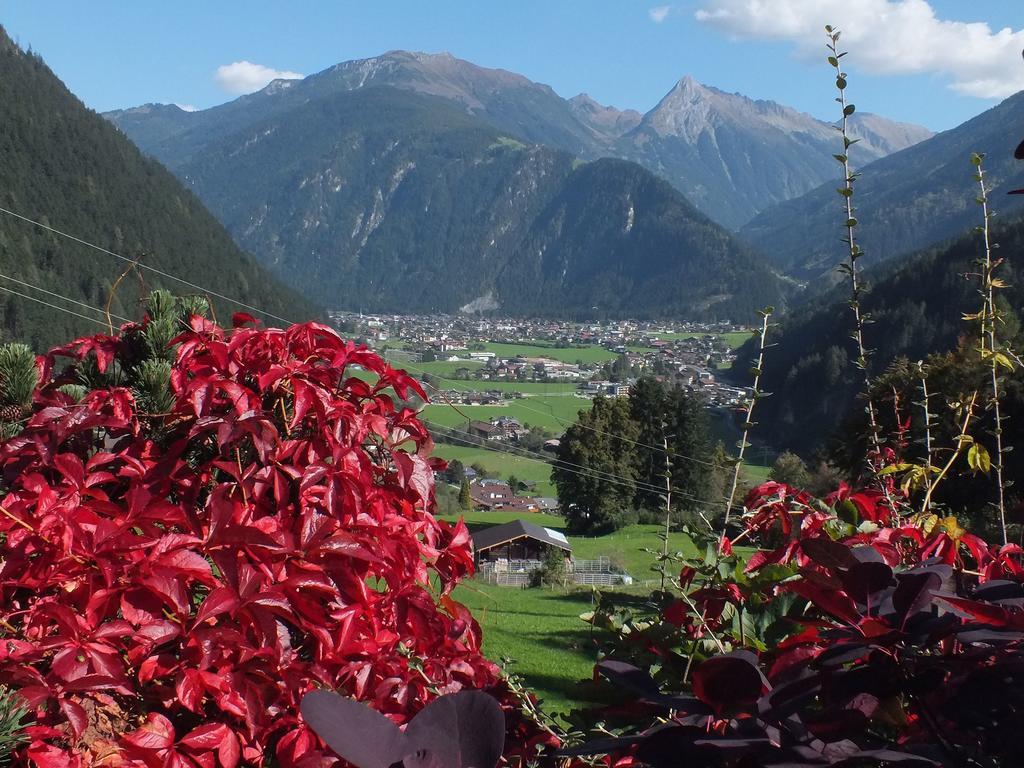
(604, 121)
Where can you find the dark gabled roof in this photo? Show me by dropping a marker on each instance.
(497, 535)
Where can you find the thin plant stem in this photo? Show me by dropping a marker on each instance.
(962, 440)
(766, 313)
(668, 504)
(989, 342)
(855, 252)
(926, 407)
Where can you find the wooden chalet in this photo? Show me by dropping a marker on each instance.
(518, 540)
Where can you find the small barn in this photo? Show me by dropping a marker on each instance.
(517, 541)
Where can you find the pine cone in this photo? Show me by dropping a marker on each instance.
(10, 413)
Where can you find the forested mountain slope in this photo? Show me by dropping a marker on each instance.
(916, 308)
(64, 165)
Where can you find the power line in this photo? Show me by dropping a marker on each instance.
(580, 469)
(570, 467)
(54, 306)
(62, 297)
(154, 270)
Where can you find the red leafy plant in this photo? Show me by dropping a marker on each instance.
(173, 582)
(862, 635)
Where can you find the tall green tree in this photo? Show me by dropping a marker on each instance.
(678, 420)
(595, 472)
(465, 499)
(690, 445)
(648, 407)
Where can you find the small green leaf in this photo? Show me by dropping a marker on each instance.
(848, 110)
(833, 61)
(978, 458)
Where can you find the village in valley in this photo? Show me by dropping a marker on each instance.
(503, 390)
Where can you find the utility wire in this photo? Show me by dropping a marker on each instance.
(577, 469)
(54, 306)
(62, 298)
(154, 270)
(570, 467)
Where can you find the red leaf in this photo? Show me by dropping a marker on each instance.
(831, 601)
(156, 733)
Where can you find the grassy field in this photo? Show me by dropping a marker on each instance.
(440, 368)
(501, 465)
(540, 629)
(476, 520)
(554, 412)
(528, 388)
(589, 354)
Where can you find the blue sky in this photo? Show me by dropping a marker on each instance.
(910, 59)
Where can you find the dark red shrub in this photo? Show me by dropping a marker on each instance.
(173, 583)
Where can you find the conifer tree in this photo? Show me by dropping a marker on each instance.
(18, 379)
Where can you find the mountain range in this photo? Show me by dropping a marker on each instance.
(63, 165)
(386, 198)
(731, 156)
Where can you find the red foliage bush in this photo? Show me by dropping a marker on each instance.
(854, 634)
(173, 583)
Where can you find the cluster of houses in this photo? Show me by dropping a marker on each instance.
(501, 429)
(489, 495)
(442, 333)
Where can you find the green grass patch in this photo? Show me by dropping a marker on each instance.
(540, 629)
(529, 388)
(502, 465)
(586, 354)
(755, 474)
(478, 520)
(554, 412)
(442, 368)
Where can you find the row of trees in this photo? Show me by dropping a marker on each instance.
(616, 462)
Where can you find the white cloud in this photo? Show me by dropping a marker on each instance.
(885, 37)
(659, 13)
(246, 77)
(186, 107)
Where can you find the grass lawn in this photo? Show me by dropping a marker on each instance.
(540, 629)
(477, 520)
(529, 388)
(440, 368)
(553, 412)
(755, 473)
(501, 465)
(588, 354)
